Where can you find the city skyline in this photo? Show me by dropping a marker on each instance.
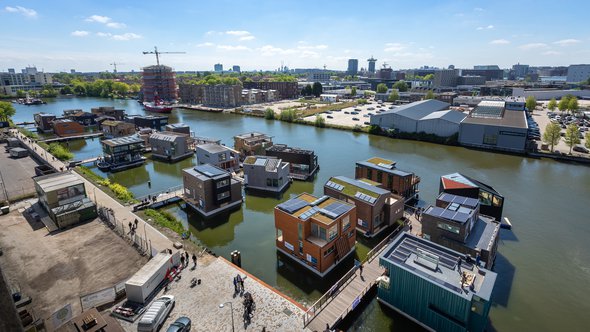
(299, 34)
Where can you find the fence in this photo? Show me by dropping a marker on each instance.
(103, 296)
(165, 192)
(127, 232)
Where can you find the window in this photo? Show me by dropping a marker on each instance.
(279, 235)
(485, 198)
(449, 228)
(322, 233)
(345, 223)
(299, 231)
(329, 251)
(268, 182)
(222, 195)
(379, 176)
(222, 183)
(275, 182)
(389, 181)
(222, 157)
(369, 173)
(351, 233)
(315, 230)
(497, 201)
(333, 232)
(490, 139)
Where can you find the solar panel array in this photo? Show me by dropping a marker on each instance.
(307, 214)
(335, 185)
(209, 170)
(365, 197)
(457, 216)
(293, 205)
(388, 166)
(337, 208)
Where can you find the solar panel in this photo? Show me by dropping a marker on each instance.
(372, 200)
(358, 194)
(260, 162)
(337, 208)
(293, 205)
(328, 213)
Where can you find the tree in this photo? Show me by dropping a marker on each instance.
(428, 77)
(401, 86)
(563, 104)
(21, 93)
(552, 104)
(429, 95)
(307, 90)
(552, 134)
(531, 103)
(393, 96)
(381, 88)
(6, 111)
(587, 138)
(353, 91)
(269, 114)
(572, 136)
(66, 90)
(317, 89)
(320, 121)
(573, 105)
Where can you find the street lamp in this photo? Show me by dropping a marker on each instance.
(232, 313)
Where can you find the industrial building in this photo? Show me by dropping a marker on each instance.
(455, 222)
(268, 174)
(303, 164)
(429, 116)
(376, 208)
(491, 201)
(218, 155)
(435, 286)
(285, 90)
(210, 190)
(63, 197)
(578, 73)
(315, 232)
(159, 81)
(495, 125)
(253, 143)
(170, 146)
(386, 173)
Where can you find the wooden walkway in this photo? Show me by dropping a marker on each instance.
(161, 199)
(348, 292)
(67, 138)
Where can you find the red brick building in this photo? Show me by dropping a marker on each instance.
(390, 177)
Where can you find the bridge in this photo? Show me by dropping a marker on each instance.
(159, 198)
(347, 293)
(67, 138)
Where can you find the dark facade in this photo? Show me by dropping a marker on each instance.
(43, 121)
(386, 173)
(108, 111)
(180, 128)
(303, 163)
(148, 121)
(491, 202)
(489, 74)
(286, 90)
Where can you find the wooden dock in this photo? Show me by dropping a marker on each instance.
(348, 292)
(159, 199)
(67, 138)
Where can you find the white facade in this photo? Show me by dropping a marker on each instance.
(331, 98)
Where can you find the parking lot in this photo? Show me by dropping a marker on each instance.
(56, 269)
(543, 117)
(16, 175)
(352, 116)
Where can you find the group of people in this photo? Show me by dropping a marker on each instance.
(248, 307)
(185, 260)
(133, 226)
(239, 284)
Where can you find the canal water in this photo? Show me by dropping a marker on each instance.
(543, 264)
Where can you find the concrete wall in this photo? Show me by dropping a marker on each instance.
(473, 135)
(548, 94)
(438, 127)
(256, 177)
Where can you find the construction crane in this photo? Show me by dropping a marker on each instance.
(157, 53)
(114, 64)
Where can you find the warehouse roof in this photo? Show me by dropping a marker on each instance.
(418, 110)
(57, 181)
(447, 115)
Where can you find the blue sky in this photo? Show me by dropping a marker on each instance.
(90, 35)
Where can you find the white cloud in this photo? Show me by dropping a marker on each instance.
(233, 48)
(80, 33)
(99, 19)
(552, 53)
(478, 9)
(567, 42)
(305, 46)
(103, 34)
(394, 47)
(126, 36)
(22, 10)
(106, 21)
(237, 33)
(489, 27)
(116, 25)
(269, 50)
(532, 46)
(246, 38)
(207, 44)
(499, 42)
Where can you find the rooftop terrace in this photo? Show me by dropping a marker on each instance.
(384, 165)
(324, 209)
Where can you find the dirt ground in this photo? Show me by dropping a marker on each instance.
(56, 269)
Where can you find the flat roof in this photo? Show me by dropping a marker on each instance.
(510, 118)
(125, 140)
(418, 109)
(167, 136)
(324, 209)
(464, 201)
(437, 265)
(453, 212)
(269, 163)
(355, 188)
(287, 149)
(384, 165)
(213, 147)
(57, 181)
(251, 134)
(207, 170)
(146, 272)
(483, 234)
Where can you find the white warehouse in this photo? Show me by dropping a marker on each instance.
(429, 116)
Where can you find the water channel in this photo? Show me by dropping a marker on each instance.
(543, 263)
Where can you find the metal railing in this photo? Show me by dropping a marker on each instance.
(129, 234)
(165, 192)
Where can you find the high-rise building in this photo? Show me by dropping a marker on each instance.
(520, 71)
(353, 66)
(445, 77)
(372, 62)
(159, 80)
(218, 67)
(236, 69)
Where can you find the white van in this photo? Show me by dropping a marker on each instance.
(155, 315)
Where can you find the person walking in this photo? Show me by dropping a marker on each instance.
(130, 228)
(235, 284)
(186, 259)
(361, 270)
(182, 260)
(136, 221)
(194, 261)
(459, 264)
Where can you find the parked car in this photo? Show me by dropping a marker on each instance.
(355, 119)
(156, 314)
(580, 148)
(330, 117)
(346, 112)
(367, 123)
(182, 324)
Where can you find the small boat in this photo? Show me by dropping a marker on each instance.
(506, 224)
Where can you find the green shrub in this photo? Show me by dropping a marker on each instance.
(165, 219)
(357, 128)
(320, 121)
(120, 191)
(269, 114)
(28, 133)
(375, 130)
(288, 115)
(60, 152)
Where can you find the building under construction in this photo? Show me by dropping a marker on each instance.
(159, 80)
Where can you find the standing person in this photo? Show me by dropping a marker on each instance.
(477, 259)
(194, 261)
(186, 258)
(235, 284)
(361, 270)
(459, 264)
(182, 260)
(136, 221)
(130, 228)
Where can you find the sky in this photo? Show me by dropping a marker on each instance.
(90, 35)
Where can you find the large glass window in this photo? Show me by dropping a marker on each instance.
(333, 233)
(223, 195)
(497, 201)
(345, 223)
(449, 228)
(490, 139)
(379, 176)
(485, 198)
(369, 174)
(222, 183)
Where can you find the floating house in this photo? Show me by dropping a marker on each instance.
(491, 202)
(112, 129)
(67, 127)
(148, 121)
(170, 146)
(218, 155)
(266, 174)
(390, 177)
(43, 122)
(317, 233)
(303, 164)
(121, 153)
(251, 144)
